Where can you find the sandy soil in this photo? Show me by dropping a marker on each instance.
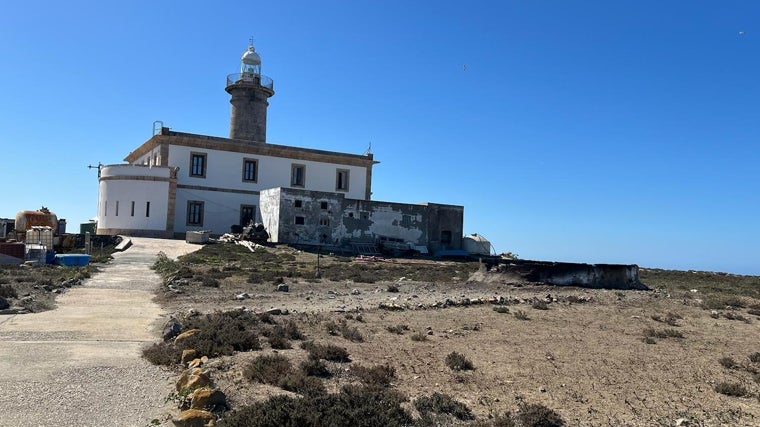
(588, 361)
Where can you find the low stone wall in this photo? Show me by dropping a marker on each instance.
(600, 276)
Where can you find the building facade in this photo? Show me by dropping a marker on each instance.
(177, 182)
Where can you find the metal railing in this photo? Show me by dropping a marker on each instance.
(251, 78)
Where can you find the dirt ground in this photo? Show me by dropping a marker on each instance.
(585, 356)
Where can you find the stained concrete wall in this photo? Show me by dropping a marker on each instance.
(604, 276)
(319, 218)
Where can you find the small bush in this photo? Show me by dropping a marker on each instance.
(223, 333)
(279, 342)
(267, 369)
(670, 318)
(662, 333)
(440, 403)
(299, 382)
(754, 312)
(348, 332)
(329, 352)
(8, 291)
(376, 376)
(164, 265)
(501, 309)
(458, 362)
(292, 331)
(353, 406)
(419, 336)
(392, 288)
(540, 305)
(351, 333)
(537, 415)
(735, 316)
(315, 368)
(649, 340)
(398, 329)
(521, 315)
(754, 357)
(163, 354)
(728, 363)
(731, 389)
(723, 302)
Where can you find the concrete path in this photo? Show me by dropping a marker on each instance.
(80, 364)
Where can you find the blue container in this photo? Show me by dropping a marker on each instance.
(72, 260)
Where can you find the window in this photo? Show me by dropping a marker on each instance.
(297, 176)
(406, 220)
(341, 180)
(105, 208)
(298, 203)
(324, 221)
(446, 237)
(250, 170)
(147, 209)
(117, 208)
(198, 165)
(132, 211)
(194, 213)
(300, 220)
(247, 214)
(323, 205)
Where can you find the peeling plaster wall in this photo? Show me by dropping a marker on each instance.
(269, 206)
(320, 218)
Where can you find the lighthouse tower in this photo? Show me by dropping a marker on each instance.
(249, 90)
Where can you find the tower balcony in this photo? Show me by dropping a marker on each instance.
(250, 79)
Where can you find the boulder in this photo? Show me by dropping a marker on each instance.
(283, 288)
(207, 397)
(194, 418)
(171, 329)
(192, 378)
(185, 335)
(4, 304)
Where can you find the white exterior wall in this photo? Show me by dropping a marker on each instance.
(118, 183)
(225, 170)
(152, 158)
(220, 209)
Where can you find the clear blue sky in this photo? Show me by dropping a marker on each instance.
(590, 131)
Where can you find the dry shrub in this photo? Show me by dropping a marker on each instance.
(398, 329)
(731, 389)
(376, 376)
(162, 353)
(539, 305)
(754, 357)
(536, 415)
(267, 369)
(442, 404)
(353, 406)
(458, 362)
(662, 333)
(728, 363)
(329, 352)
(521, 315)
(419, 336)
(501, 309)
(669, 318)
(223, 333)
(315, 368)
(299, 382)
(8, 291)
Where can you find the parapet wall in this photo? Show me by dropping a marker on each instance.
(599, 276)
